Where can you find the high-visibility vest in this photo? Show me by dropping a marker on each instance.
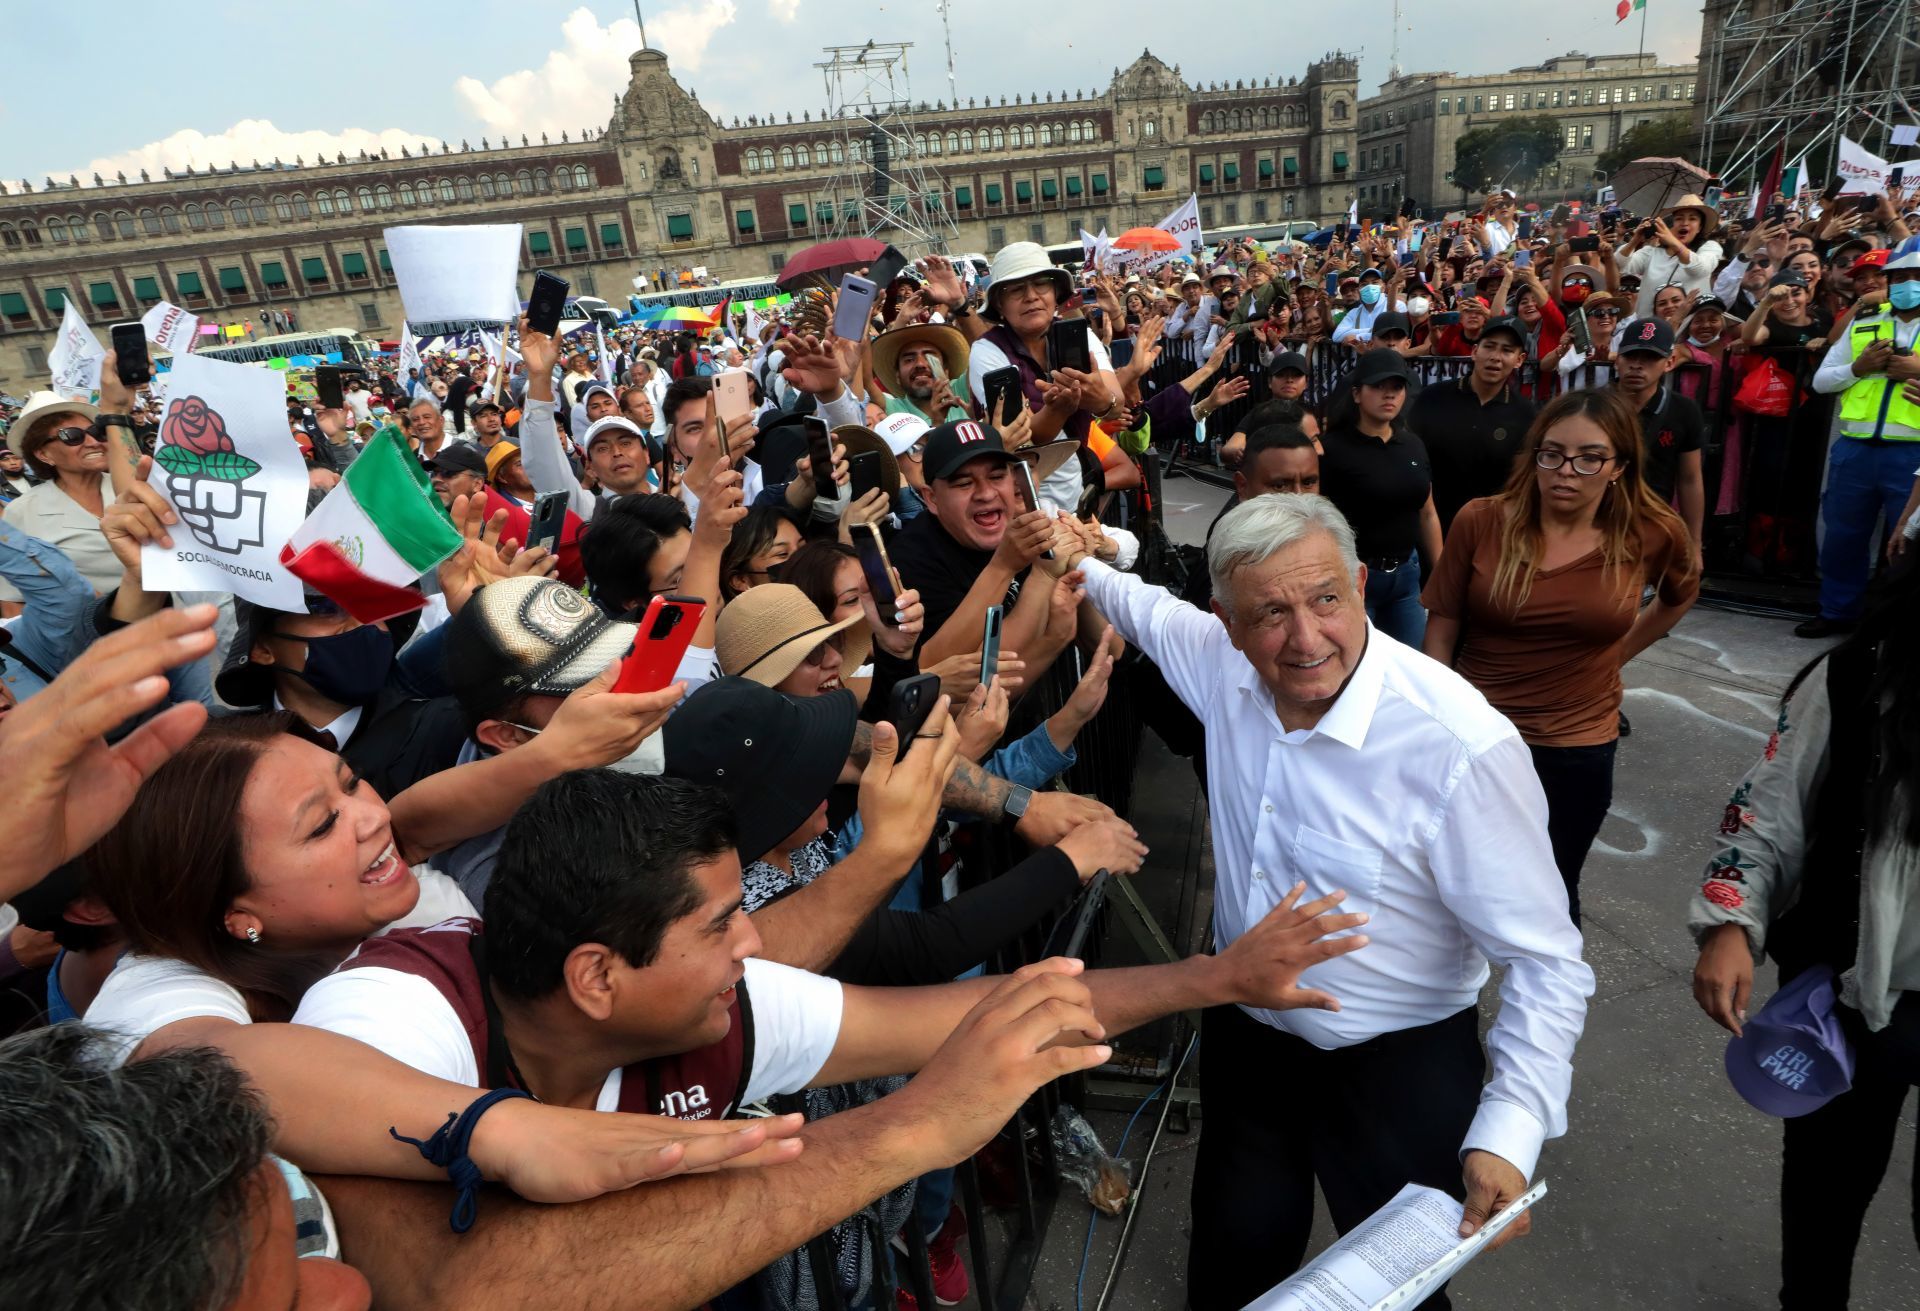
(1874, 402)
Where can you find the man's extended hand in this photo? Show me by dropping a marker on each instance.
(901, 787)
(1051, 816)
(1493, 1184)
(1025, 539)
(596, 726)
(1265, 963)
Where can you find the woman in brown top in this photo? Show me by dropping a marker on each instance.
(1537, 602)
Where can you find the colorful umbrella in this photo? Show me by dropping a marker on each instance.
(820, 263)
(1147, 239)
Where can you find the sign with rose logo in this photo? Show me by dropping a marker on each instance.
(232, 471)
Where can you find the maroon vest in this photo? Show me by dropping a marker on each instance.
(703, 1084)
(1030, 377)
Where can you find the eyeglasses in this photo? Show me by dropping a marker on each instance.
(1584, 465)
(1762, 263)
(72, 436)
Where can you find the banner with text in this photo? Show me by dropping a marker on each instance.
(76, 355)
(1866, 174)
(170, 328)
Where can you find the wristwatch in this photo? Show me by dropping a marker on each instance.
(964, 310)
(102, 422)
(1015, 806)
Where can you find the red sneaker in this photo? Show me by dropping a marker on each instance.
(950, 1285)
(905, 1301)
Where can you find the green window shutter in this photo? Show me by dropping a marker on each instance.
(56, 298)
(539, 243)
(1231, 170)
(993, 193)
(743, 219)
(1049, 189)
(1339, 161)
(386, 262)
(353, 264)
(1266, 168)
(1153, 177)
(796, 216)
(1099, 184)
(313, 270)
(1291, 168)
(610, 235)
(576, 238)
(189, 284)
(146, 289)
(935, 202)
(897, 205)
(273, 274)
(824, 213)
(1206, 172)
(12, 304)
(103, 293)
(851, 209)
(1073, 186)
(1023, 191)
(233, 280)
(679, 227)
(963, 197)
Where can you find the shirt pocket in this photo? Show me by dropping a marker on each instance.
(1327, 864)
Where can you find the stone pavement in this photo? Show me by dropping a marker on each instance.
(1664, 1191)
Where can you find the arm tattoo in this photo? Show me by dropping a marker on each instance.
(970, 789)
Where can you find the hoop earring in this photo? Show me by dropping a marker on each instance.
(253, 936)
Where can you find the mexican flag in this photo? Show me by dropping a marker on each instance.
(1626, 7)
(374, 535)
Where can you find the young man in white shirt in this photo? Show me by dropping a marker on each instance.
(1339, 756)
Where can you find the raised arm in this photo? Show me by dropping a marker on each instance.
(540, 451)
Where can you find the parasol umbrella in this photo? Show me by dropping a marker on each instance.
(1647, 186)
(1146, 239)
(826, 261)
(681, 314)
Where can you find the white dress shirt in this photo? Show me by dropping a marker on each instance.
(1419, 800)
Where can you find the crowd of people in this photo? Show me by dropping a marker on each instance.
(318, 926)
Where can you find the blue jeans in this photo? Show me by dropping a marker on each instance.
(1867, 484)
(1393, 602)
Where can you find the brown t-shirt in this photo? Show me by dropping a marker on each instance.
(1554, 667)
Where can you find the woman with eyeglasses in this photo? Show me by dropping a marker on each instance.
(65, 446)
(1537, 601)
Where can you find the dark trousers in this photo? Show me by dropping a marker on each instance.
(1835, 1158)
(1578, 782)
(1364, 1121)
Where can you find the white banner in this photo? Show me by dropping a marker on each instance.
(1183, 223)
(1867, 174)
(409, 356)
(466, 272)
(76, 356)
(170, 328)
(225, 462)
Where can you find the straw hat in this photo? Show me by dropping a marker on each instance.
(1709, 216)
(886, 348)
(39, 406)
(857, 439)
(766, 632)
(1049, 456)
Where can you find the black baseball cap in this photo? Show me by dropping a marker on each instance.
(458, 457)
(484, 406)
(1392, 321)
(1648, 337)
(1293, 360)
(1787, 278)
(1378, 366)
(775, 756)
(1507, 324)
(953, 444)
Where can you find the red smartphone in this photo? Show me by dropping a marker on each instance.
(665, 631)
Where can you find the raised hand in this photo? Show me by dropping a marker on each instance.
(1266, 961)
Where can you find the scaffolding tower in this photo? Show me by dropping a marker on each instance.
(879, 187)
(1802, 73)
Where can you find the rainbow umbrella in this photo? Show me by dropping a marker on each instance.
(682, 314)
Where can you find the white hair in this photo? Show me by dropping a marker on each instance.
(425, 399)
(1262, 526)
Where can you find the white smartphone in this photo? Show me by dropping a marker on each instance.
(853, 312)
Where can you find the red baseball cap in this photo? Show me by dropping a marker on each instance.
(1873, 259)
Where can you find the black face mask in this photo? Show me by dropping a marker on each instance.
(349, 668)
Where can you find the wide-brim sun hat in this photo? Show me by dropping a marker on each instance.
(40, 405)
(766, 633)
(859, 439)
(886, 348)
(1709, 216)
(1018, 261)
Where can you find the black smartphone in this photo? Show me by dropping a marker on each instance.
(326, 386)
(863, 473)
(1067, 346)
(1091, 900)
(1446, 318)
(1002, 387)
(1562, 212)
(130, 358)
(1896, 177)
(1582, 245)
(884, 270)
(1525, 230)
(1832, 193)
(882, 583)
(1778, 214)
(549, 514)
(1446, 244)
(1577, 328)
(909, 705)
(1028, 493)
(1407, 210)
(820, 457)
(545, 305)
(1340, 230)
(990, 643)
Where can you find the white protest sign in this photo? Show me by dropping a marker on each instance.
(469, 271)
(170, 328)
(1183, 223)
(76, 356)
(1867, 174)
(1906, 135)
(409, 353)
(226, 463)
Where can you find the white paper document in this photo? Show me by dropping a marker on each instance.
(1393, 1259)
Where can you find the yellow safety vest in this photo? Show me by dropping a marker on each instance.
(1872, 403)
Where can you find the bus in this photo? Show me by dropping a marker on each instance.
(351, 347)
(701, 297)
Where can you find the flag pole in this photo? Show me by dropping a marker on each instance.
(1643, 26)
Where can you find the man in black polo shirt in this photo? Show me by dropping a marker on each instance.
(1475, 425)
(1671, 426)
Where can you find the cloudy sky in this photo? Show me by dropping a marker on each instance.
(235, 79)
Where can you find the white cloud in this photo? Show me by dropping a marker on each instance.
(576, 85)
(246, 141)
(784, 10)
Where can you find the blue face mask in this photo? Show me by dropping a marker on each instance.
(1904, 295)
(1369, 295)
(349, 668)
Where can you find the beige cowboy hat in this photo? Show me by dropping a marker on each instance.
(886, 347)
(1709, 216)
(766, 632)
(858, 438)
(39, 405)
(1048, 457)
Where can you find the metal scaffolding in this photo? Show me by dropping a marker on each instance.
(879, 187)
(1804, 72)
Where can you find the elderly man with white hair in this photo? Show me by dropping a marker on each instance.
(1338, 756)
